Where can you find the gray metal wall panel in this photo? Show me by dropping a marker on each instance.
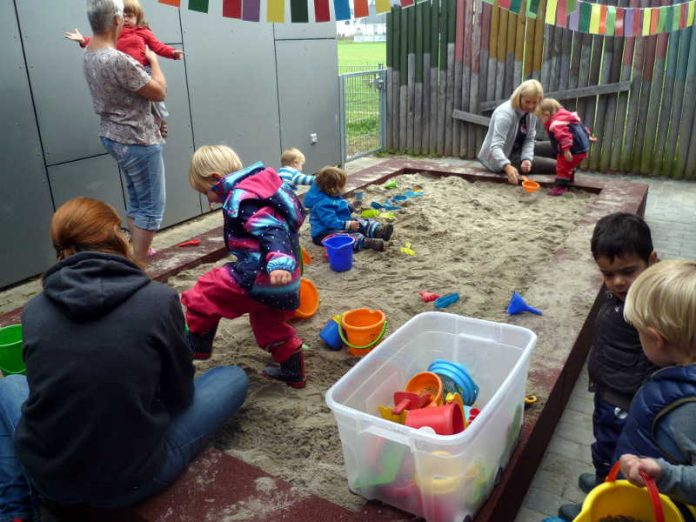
(25, 206)
(232, 84)
(95, 177)
(182, 202)
(309, 101)
(303, 31)
(63, 103)
(69, 127)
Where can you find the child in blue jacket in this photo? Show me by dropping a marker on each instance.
(330, 213)
(262, 219)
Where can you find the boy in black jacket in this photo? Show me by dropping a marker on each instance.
(622, 248)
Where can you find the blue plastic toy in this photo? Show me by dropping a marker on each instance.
(413, 194)
(455, 379)
(446, 300)
(517, 305)
(376, 205)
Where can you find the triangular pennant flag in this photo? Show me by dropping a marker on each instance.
(360, 9)
(505, 4)
(561, 14)
(251, 10)
(619, 26)
(683, 13)
(654, 19)
(611, 20)
(691, 13)
(574, 19)
(571, 6)
(594, 19)
(603, 19)
(275, 11)
(175, 3)
(382, 6)
(585, 17)
(341, 9)
(198, 5)
(232, 8)
(298, 11)
(515, 6)
(551, 11)
(664, 24)
(646, 22)
(532, 8)
(322, 11)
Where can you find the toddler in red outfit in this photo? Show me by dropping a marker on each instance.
(570, 138)
(135, 35)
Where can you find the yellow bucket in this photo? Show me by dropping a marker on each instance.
(621, 498)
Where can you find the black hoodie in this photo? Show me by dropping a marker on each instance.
(107, 366)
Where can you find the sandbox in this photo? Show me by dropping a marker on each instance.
(553, 269)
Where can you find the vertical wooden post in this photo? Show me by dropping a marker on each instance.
(442, 77)
(388, 139)
(484, 55)
(668, 99)
(418, 119)
(687, 114)
(434, 73)
(411, 79)
(669, 161)
(493, 55)
(427, 64)
(459, 35)
(501, 51)
(466, 139)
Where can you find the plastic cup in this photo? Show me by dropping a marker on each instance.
(340, 251)
(11, 360)
(330, 334)
(445, 420)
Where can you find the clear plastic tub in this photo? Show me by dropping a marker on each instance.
(441, 478)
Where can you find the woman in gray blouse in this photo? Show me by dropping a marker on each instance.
(122, 93)
(509, 146)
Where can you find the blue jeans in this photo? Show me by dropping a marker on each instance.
(218, 394)
(143, 169)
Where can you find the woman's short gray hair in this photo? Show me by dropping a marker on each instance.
(101, 13)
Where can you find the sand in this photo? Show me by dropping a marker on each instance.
(482, 240)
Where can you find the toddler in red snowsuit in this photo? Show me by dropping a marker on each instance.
(570, 138)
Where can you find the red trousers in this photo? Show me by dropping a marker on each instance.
(565, 168)
(216, 294)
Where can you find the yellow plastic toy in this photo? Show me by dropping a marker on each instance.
(621, 498)
(408, 250)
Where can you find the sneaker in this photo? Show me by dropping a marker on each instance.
(588, 481)
(569, 512)
(558, 190)
(201, 344)
(384, 231)
(374, 243)
(291, 372)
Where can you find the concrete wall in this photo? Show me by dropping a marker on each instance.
(257, 87)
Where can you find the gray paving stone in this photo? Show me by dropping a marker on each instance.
(529, 515)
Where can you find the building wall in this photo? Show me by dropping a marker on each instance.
(257, 87)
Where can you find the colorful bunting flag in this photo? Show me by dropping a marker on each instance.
(576, 15)
(322, 11)
(275, 11)
(594, 19)
(360, 9)
(198, 5)
(232, 8)
(382, 6)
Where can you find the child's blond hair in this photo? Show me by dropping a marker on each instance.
(550, 105)
(663, 297)
(331, 180)
(208, 160)
(133, 7)
(290, 156)
(528, 89)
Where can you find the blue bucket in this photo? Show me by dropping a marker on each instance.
(330, 333)
(339, 248)
(455, 379)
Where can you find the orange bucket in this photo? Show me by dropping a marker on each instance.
(426, 382)
(364, 329)
(309, 299)
(529, 186)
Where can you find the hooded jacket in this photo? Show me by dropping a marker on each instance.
(327, 214)
(132, 41)
(566, 132)
(107, 367)
(262, 221)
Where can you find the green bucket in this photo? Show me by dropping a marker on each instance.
(11, 360)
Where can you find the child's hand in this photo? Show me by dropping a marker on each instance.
(631, 467)
(150, 55)
(75, 36)
(178, 55)
(357, 204)
(526, 166)
(593, 139)
(568, 155)
(280, 277)
(353, 225)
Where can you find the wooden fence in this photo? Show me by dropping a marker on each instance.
(451, 62)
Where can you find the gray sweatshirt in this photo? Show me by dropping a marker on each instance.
(677, 433)
(502, 131)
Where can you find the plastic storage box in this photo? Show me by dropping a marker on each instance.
(441, 478)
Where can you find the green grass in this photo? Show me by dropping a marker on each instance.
(361, 53)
